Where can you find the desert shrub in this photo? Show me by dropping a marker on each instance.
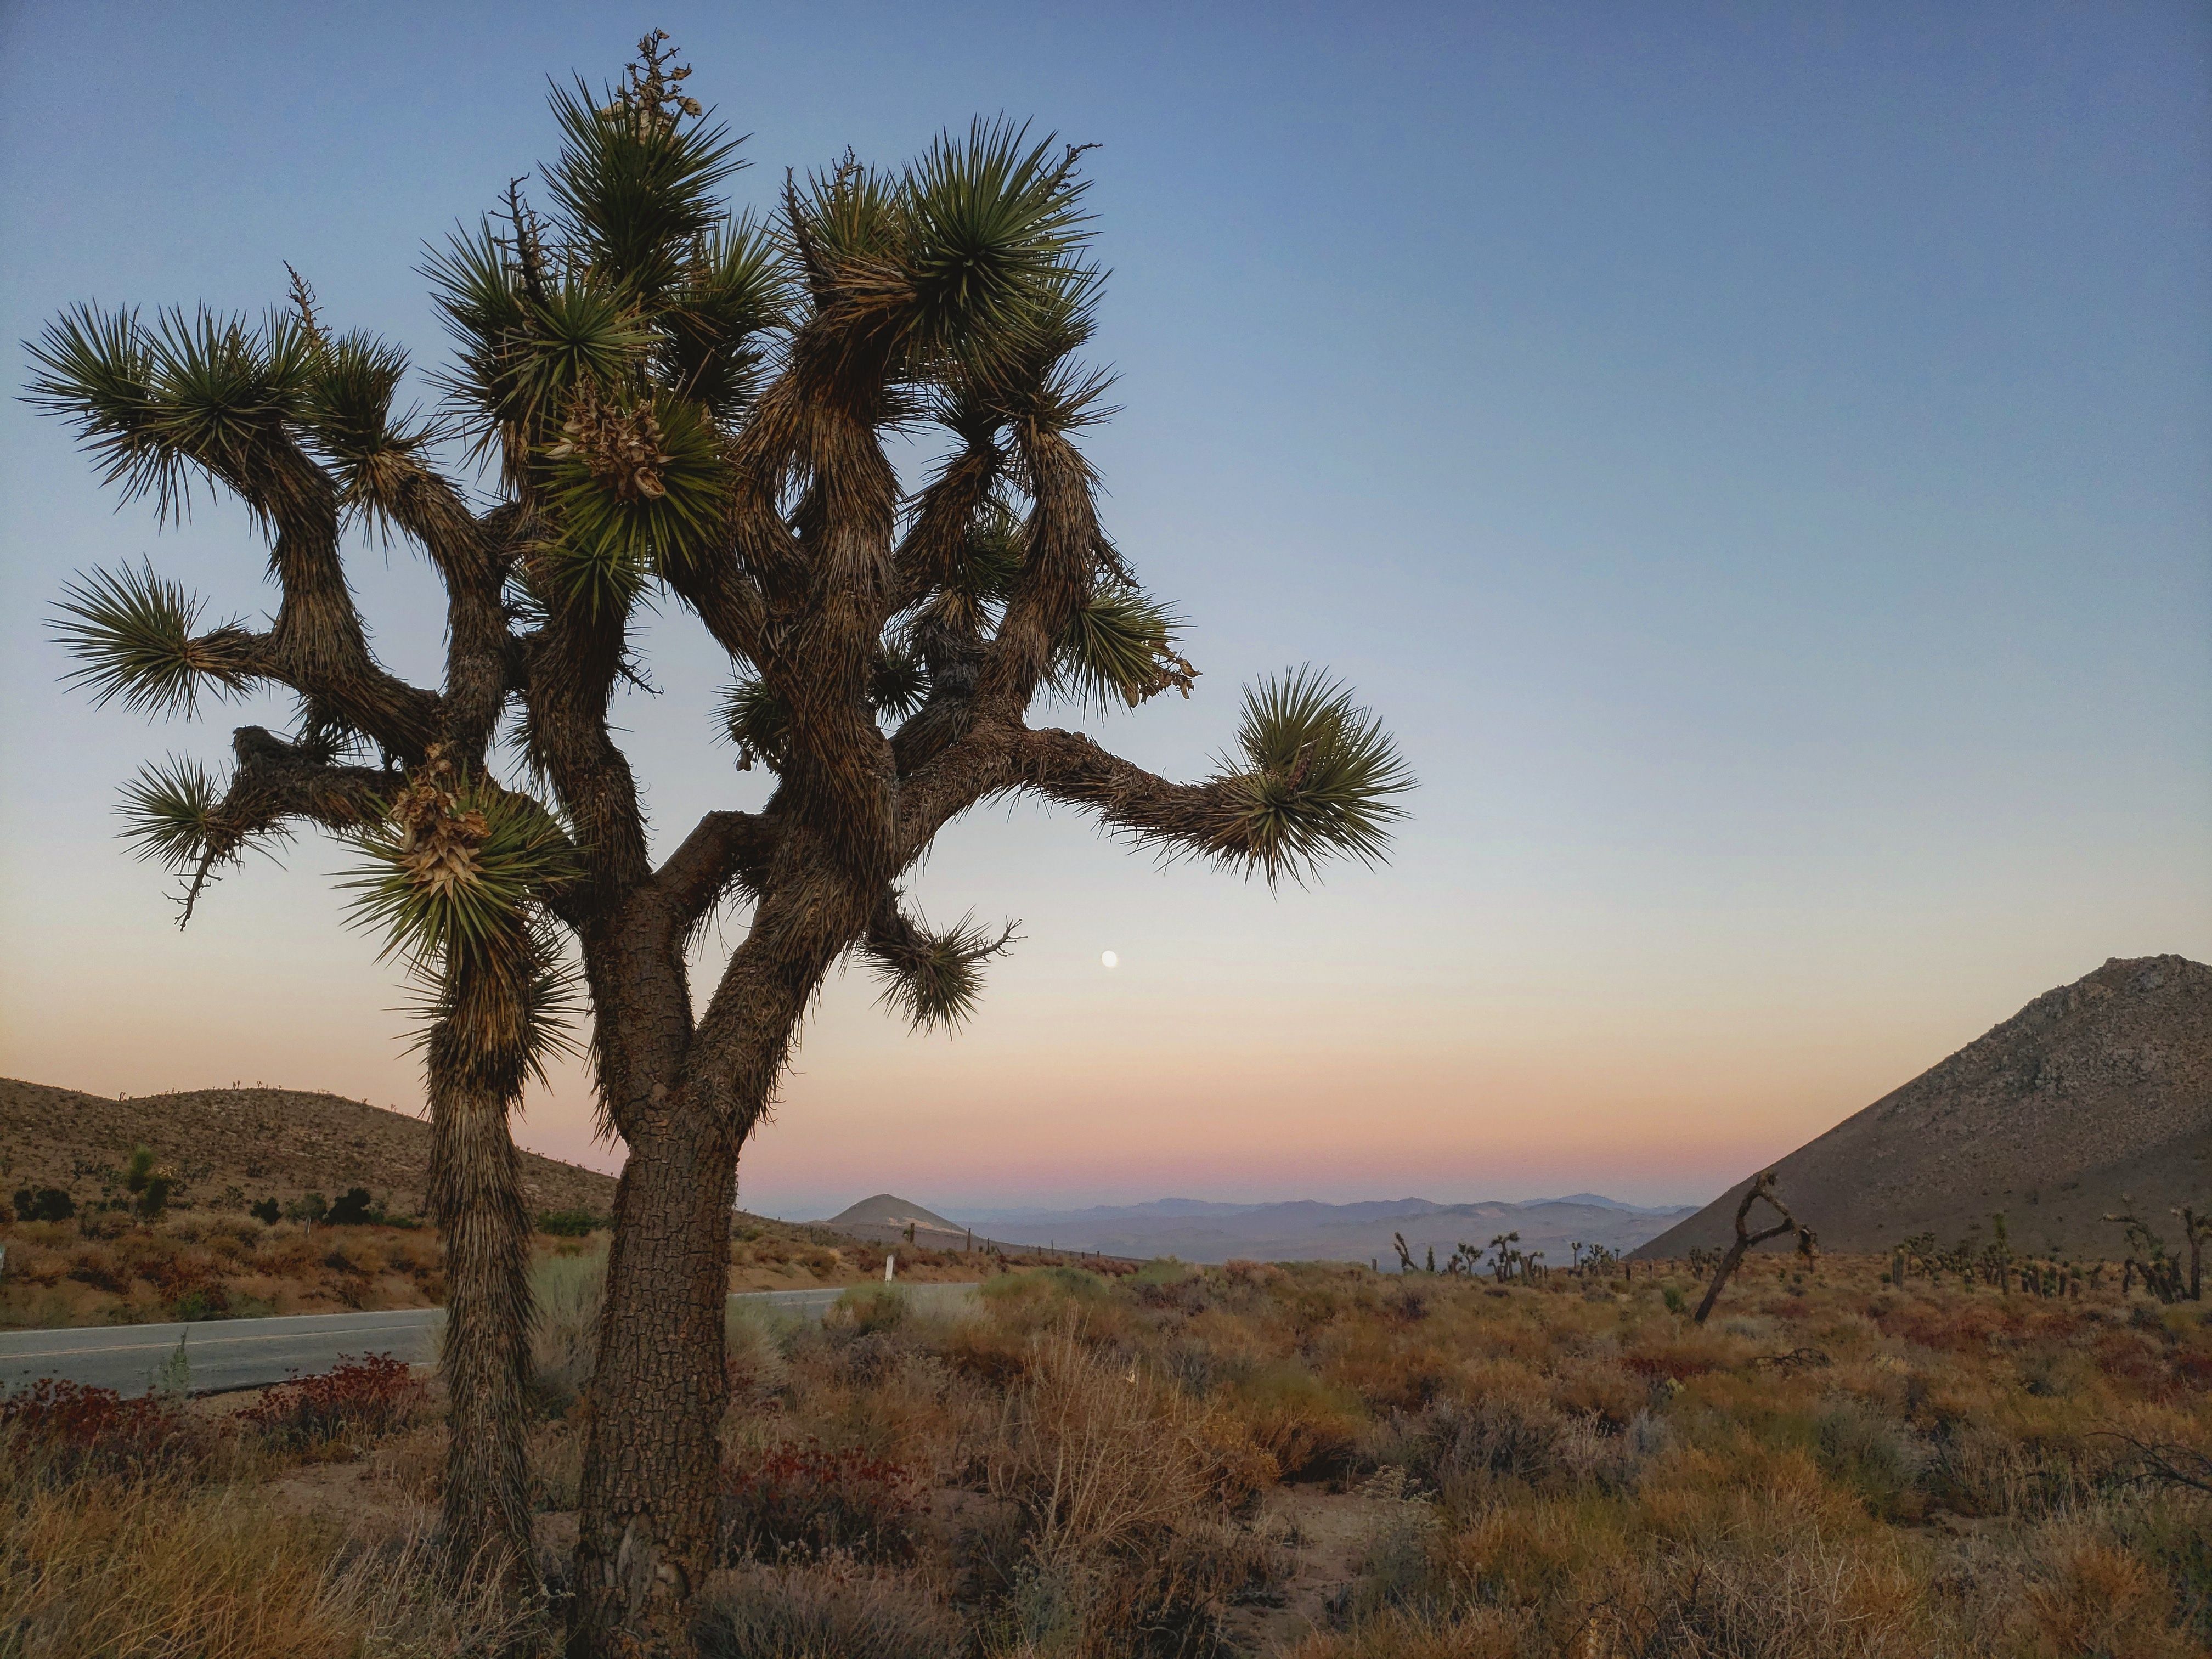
(1165, 1602)
(1975, 1467)
(268, 1211)
(71, 1431)
(802, 1613)
(1397, 1567)
(1095, 1452)
(1304, 1425)
(201, 1302)
(2174, 1537)
(2074, 1585)
(355, 1208)
(354, 1255)
(1460, 1450)
(1774, 1585)
(566, 1291)
(753, 1336)
(1877, 1456)
(1478, 1632)
(357, 1401)
(98, 1266)
(1615, 1396)
(799, 1501)
(310, 1207)
(44, 1204)
(570, 1224)
(142, 1569)
(991, 1351)
(867, 1309)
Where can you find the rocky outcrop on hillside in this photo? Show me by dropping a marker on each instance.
(2094, 1093)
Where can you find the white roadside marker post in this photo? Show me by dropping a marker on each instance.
(890, 1260)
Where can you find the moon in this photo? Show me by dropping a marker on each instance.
(1108, 959)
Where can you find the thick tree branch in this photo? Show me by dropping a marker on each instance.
(277, 780)
(933, 979)
(472, 556)
(728, 601)
(318, 645)
(930, 553)
(1206, 819)
(723, 849)
(1056, 575)
(274, 784)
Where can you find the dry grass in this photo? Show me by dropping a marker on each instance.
(1095, 1455)
(112, 1568)
(1186, 1464)
(106, 1269)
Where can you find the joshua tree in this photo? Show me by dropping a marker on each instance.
(1405, 1256)
(148, 1183)
(2195, 1229)
(683, 405)
(2147, 1255)
(1760, 1191)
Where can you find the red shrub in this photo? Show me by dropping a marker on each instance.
(85, 1430)
(359, 1400)
(801, 1501)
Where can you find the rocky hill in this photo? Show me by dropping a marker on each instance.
(244, 1144)
(2099, 1090)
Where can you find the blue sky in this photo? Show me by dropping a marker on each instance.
(1755, 458)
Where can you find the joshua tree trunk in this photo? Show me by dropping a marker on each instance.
(648, 1525)
(484, 1360)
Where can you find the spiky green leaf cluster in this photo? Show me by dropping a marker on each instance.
(517, 1004)
(172, 814)
(1317, 780)
(197, 396)
(732, 297)
(509, 865)
(528, 344)
(1120, 648)
(345, 416)
(755, 718)
(640, 491)
(994, 236)
(934, 979)
(634, 188)
(898, 684)
(130, 632)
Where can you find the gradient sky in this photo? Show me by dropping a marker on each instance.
(1756, 459)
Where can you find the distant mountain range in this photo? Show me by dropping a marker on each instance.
(1305, 1230)
(2095, 1097)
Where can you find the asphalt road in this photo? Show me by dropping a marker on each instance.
(224, 1354)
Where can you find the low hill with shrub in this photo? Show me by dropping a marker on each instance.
(225, 1149)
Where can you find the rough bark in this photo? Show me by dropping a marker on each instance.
(484, 1358)
(648, 1530)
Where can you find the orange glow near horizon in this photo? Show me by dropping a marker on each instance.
(1047, 1099)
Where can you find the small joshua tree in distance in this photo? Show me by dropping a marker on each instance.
(1761, 1190)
